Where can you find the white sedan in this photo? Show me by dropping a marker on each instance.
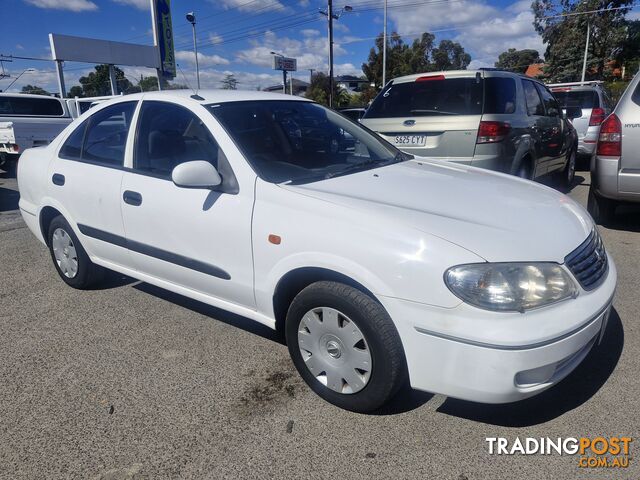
(379, 268)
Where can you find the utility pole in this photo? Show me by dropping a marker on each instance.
(310, 75)
(586, 50)
(384, 46)
(330, 17)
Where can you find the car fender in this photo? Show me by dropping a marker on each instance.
(525, 147)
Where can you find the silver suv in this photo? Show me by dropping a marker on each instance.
(486, 118)
(595, 105)
(615, 167)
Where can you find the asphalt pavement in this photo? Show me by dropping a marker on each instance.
(133, 382)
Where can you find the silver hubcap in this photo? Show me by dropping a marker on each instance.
(65, 253)
(334, 350)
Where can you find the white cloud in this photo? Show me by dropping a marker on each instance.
(483, 30)
(214, 38)
(186, 56)
(309, 32)
(311, 52)
(244, 5)
(141, 4)
(633, 15)
(72, 5)
(340, 27)
(304, 3)
(19, 47)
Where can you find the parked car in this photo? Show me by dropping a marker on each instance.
(486, 118)
(78, 105)
(28, 121)
(378, 267)
(354, 113)
(615, 167)
(594, 104)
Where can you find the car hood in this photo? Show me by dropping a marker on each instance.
(496, 216)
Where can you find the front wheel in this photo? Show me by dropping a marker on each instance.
(345, 346)
(70, 258)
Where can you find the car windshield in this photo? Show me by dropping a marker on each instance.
(577, 98)
(288, 141)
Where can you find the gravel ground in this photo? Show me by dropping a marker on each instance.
(131, 381)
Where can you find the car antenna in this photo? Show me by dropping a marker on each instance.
(195, 95)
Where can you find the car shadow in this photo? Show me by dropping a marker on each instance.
(626, 218)
(214, 313)
(570, 393)
(113, 280)
(8, 199)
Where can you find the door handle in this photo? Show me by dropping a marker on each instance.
(132, 198)
(58, 179)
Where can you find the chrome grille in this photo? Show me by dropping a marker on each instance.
(588, 262)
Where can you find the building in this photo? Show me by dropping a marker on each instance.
(299, 87)
(351, 83)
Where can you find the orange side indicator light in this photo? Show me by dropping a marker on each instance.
(275, 239)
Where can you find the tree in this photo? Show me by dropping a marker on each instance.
(229, 82)
(76, 91)
(98, 84)
(629, 53)
(450, 55)
(517, 60)
(564, 33)
(318, 91)
(35, 90)
(421, 56)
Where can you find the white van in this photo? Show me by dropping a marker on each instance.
(28, 121)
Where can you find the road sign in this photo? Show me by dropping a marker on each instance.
(285, 63)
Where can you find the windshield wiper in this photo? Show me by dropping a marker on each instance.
(440, 112)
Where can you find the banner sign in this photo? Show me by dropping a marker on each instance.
(163, 34)
(285, 63)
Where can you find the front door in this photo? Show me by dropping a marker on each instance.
(555, 142)
(199, 239)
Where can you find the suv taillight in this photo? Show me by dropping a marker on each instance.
(491, 132)
(610, 139)
(597, 116)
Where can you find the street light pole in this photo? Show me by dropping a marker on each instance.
(191, 18)
(586, 49)
(384, 46)
(330, 17)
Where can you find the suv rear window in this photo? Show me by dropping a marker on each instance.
(40, 107)
(577, 98)
(451, 96)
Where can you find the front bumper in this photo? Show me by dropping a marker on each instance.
(491, 357)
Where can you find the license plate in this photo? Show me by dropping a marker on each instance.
(410, 140)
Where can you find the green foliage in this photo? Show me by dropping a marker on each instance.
(97, 83)
(318, 91)
(616, 89)
(421, 56)
(565, 35)
(34, 89)
(517, 60)
(229, 82)
(76, 91)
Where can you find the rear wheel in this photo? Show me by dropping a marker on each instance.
(69, 257)
(345, 346)
(601, 209)
(524, 169)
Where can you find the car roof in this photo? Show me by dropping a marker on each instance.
(206, 97)
(27, 95)
(459, 74)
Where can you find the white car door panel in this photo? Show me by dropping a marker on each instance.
(86, 177)
(197, 238)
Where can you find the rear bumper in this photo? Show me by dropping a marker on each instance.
(614, 183)
(586, 146)
(499, 372)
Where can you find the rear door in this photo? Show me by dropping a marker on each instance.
(628, 110)
(555, 143)
(539, 127)
(435, 115)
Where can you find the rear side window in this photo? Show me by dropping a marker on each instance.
(102, 137)
(584, 99)
(635, 97)
(499, 95)
(29, 106)
(534, 104)
(437, 96)
(550, 103)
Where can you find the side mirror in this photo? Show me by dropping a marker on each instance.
(572, 112)
(196, 174)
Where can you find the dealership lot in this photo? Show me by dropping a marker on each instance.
(130, 381)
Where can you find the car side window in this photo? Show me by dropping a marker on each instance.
(532, 97)
(551, 105)
(168, 135)
(102, 137)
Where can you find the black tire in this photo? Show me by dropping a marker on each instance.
(568, 173)
(601, 209)
(88, 273)
(388, 366)
(524, 169)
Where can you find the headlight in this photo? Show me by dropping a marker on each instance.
(510, 286)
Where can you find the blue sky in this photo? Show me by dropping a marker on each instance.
(236, 36)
